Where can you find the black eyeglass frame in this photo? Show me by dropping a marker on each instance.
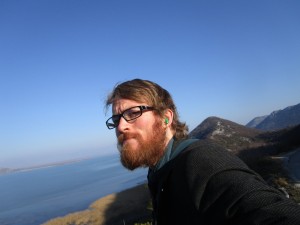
(116, 118)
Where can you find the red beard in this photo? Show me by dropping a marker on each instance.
(149, 151)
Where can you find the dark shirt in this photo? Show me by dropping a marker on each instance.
(205, 184)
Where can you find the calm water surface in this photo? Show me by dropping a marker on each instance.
(35, 196)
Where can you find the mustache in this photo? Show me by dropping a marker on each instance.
(124, 136)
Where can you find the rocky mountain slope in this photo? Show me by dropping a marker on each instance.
(234, 137)
(290, 116)
(238, 138)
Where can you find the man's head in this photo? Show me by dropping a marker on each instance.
(145, 119)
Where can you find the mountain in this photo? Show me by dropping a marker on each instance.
(237, 138)
(234, 137)
(257, 120)
(288, 117)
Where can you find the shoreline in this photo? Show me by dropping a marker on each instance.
(4, 171)
(126, 207)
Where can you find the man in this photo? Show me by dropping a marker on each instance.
(190, 181)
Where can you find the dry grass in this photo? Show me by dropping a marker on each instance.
(127, 207)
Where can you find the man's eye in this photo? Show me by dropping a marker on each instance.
(133, 114)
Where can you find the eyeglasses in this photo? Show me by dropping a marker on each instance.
(129, 114)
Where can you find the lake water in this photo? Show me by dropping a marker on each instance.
(35, 196)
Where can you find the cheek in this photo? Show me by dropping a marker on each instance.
(147, 120)
(149, 128)
(144, 126)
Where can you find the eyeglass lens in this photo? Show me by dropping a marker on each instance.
(128, 115)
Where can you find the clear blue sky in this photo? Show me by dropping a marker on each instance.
(60, 58)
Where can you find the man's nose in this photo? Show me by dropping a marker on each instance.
(123, 124)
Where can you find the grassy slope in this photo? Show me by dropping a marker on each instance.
(127, 207)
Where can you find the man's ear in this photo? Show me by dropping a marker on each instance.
(168, 117)
(166, 120)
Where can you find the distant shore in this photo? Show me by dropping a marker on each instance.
(126, 207)
(23, 169)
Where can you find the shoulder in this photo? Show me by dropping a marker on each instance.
(209, 155)
(204, 160)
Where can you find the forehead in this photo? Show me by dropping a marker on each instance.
(120, 105)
